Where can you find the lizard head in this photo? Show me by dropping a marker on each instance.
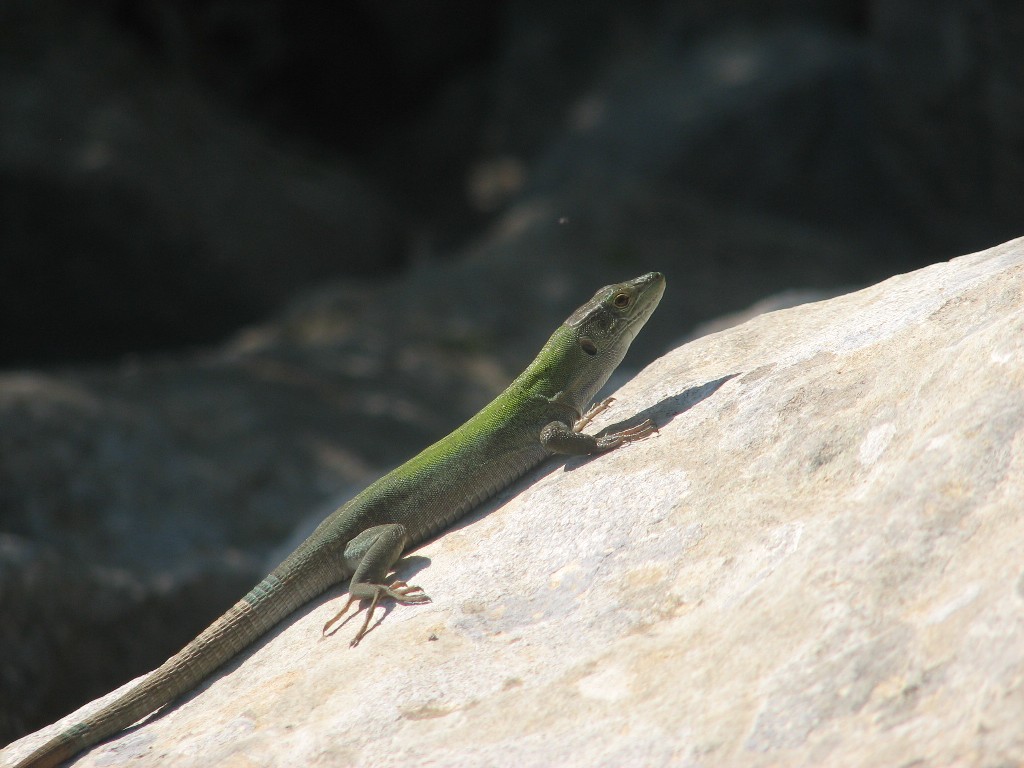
(617, 312)
(590, 344)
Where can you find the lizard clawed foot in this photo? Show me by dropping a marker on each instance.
(595, 410)
(640, 432)
(615, 439)
(406, 594)
(339, 614)
(399, 591)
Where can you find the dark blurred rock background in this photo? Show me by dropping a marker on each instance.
(172, 171)
(363, 218)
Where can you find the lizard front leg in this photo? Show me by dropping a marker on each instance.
(557, 437)
(370, 556)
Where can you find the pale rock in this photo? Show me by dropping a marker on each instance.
(819, 560)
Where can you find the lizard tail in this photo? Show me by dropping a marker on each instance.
(266, 604)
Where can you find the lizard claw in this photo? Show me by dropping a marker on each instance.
(399, 591)
(631, 435)
(406, 594)
(594, 411)
(338, 615)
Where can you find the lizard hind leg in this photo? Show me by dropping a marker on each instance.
(370, 556)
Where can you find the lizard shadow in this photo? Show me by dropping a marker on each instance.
(660, 414)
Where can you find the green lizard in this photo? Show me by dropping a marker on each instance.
(540, 414)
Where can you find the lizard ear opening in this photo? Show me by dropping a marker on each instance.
(588, 345)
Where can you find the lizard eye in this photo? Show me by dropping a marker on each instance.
(621, 300)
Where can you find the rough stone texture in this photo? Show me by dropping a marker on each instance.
(818, 560)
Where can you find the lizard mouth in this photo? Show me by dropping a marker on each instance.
(651, 289)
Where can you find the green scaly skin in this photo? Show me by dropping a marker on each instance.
(540, 414)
